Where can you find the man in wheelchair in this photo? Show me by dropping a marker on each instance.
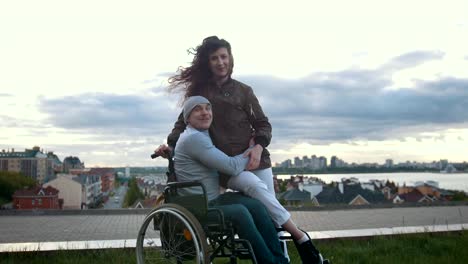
(197, 159)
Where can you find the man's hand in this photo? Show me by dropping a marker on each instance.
(164, 151)
(251, 142)
(255, 154)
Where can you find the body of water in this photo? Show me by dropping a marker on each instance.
(451, 181)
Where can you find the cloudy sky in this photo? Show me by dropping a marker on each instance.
(363, 80)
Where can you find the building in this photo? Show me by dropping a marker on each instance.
(72, 163)
(314, 162)
(70, 191)
(107, 176)
(335, 162)
(30, 162)
(296, 197)
(36, 198)
(388, 163)
(322, 162)
(314, 188)
(349, 192)
(57, 164)
(298, 162)
(78, 192)
(91, 189)
(414, 196)
(286, 164)
(443, 164)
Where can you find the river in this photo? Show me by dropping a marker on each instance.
(451, 181)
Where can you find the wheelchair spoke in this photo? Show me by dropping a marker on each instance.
(170, 234)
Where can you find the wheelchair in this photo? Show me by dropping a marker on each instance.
(184, 230)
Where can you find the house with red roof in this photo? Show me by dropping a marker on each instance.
(36, 198)
(414, 196)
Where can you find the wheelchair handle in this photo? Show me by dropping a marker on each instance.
(155, 155)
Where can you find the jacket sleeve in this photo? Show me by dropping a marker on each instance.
(202, 149)
(258, 120)
(179, 127)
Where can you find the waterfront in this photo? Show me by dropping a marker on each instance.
(451, 181)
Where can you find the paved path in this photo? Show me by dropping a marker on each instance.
(52, 228)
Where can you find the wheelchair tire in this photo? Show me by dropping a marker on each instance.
(171, 234)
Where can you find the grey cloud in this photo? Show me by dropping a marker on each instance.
(5, 95)
(8, 121)
(25, 123)
(165, 74)
(321, 108)
(412, 59)
(160, 77)
(111, 114)
(353, 104)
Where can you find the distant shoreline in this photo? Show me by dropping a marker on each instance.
(449, 181)
(361, 170)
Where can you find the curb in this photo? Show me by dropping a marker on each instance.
(316, 235)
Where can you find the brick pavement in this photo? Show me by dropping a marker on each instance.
(115, 226)
(380, 218)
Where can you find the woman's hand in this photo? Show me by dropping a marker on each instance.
(255, 154)
(164, 151)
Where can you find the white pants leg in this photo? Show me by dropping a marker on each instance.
(259, 185)
(266, 175)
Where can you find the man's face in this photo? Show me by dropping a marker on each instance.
(201, 117)
(219, 63)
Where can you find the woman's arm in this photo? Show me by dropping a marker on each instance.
(179, 127)
(258, 120)
(262, 130)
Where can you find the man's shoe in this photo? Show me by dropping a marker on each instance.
(308, 253)
(324, 261)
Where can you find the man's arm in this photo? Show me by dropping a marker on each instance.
(201, 148)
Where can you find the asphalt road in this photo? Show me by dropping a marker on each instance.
(116, 201)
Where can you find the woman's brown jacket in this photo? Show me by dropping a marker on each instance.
(237, 117)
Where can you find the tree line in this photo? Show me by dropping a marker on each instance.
(10, 182)
(133, 193)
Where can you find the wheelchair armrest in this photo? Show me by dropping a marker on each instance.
(196, 202)
(186, 185)
(174, 186)
(219, 215)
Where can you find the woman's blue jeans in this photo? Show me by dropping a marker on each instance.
(253, 223)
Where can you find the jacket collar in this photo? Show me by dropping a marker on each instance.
(226, 83)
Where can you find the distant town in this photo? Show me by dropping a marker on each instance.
(35, 180)
(314, 164)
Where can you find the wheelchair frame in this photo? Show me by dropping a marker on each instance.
(182, 229)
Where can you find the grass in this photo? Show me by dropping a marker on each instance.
(414, 249)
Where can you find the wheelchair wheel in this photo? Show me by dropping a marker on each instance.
(171, 234)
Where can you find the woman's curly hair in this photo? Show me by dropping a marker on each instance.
(193, 80)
